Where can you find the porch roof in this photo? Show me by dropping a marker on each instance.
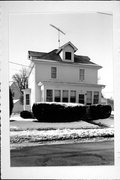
(56, 83)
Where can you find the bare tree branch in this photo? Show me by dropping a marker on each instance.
(21, 81)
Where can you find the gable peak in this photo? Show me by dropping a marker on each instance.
(66, 44)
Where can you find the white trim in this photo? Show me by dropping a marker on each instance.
(71, 84)
(68, 43)
(66, 63)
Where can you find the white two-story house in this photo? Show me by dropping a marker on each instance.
(62, 76)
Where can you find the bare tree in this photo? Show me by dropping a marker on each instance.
(21, 81)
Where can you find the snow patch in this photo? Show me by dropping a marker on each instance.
(59, 134)
(61, 103)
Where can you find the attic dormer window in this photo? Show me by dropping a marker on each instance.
(68, 55)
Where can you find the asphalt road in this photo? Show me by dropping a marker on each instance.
(79, 154)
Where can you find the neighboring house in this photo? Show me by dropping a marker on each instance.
(63, 76)
(107, 101)
(18, 107)
(103, 101)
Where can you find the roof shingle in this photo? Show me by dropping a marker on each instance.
(54, 56)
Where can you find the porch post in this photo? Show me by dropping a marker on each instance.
(53, 92)
(68, 95)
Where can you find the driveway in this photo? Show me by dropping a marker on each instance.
(77, 154)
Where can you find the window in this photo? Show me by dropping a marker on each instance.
(89, 97)
(96, 97)
(49, 95)
(81, 98)
(82, 74)
(65, 96)
(68, 55)
(72, 96)
(27, 99)
(53, 72)
(57, 95)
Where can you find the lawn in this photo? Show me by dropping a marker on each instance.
(25, 132)
(18, 123)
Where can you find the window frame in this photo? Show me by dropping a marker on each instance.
(67, 54)
(27, 99)
(81, 74)
(57, 98)
(89, 99)
(96, 99)
(48, 98)
(72, 98)
(64, 98)
(53, 72)
(82, 98)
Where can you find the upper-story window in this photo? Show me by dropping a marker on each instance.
(68, 56)
(53, 72)
(82, 74)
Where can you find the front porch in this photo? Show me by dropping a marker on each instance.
(70, 92)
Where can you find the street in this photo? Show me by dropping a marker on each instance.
(77, 154)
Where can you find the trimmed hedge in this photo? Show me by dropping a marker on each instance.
(55, 112)
(26, 114)
(100, 112)
(58, 112)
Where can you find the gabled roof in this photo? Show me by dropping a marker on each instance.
(68, 43)
(35, 54)
(54, 55)
(82, 59)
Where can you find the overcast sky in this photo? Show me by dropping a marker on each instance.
(91, 33)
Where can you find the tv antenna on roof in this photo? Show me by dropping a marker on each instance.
(59, 31)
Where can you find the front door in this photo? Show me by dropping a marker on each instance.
(81, 98)
(89, 98)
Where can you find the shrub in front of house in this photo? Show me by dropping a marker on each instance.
(26, 114)
(58, 112)
(99, 112)
(63, 112)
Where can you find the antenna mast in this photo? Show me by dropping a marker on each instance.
(59, 31)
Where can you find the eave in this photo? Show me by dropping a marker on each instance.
(44, 61)
(79, 84)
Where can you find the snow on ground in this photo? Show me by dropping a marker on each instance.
(58, 134)
(16, 117)
(24, 132)
(109, 122)
(25, 125)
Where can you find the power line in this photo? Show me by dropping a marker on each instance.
(105, 13)
(17, 64)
